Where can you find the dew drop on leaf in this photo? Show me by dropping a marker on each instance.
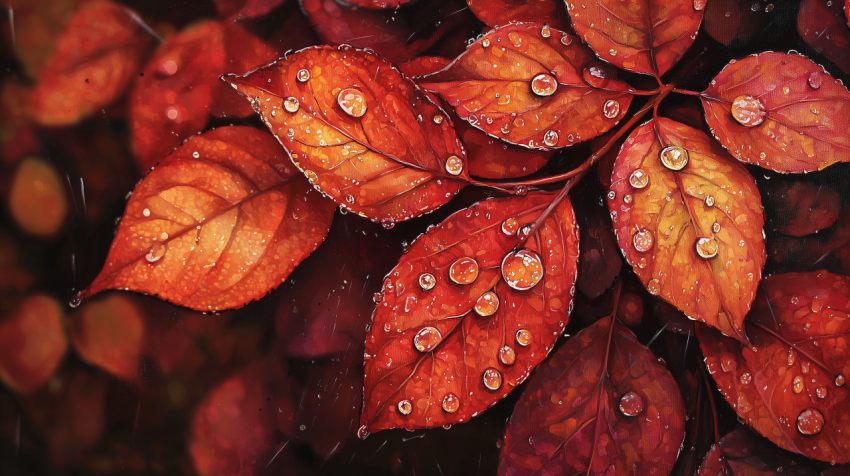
(352, 102)
(438, 119)
(427, 281)
(594, 76)
(631, 404)
(522, 269)
(797, 385)
(510, 226)
(523, 337)
(699, 5)
(454, 165)
(545, 32)
(426, 339)
(450, 403)
(156, 253)
(839, 381)
(146, 212)
(709, 200)
(745, 378)
(674, 157)
(405, 407)
(362, 432)
(643, 241)
(550, 138)
(291, 104)
(810, 422)
(748, 111)
(653, 286)
(544, 85)
(507, 355)
(492, 379)
(821, 392)
(639, 178)
(303, 76)
(611, 109)
(707, 247)
(815, 80)
(487, 304)
(464, 270)
(792, 357)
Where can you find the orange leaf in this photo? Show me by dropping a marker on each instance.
(532, 86)
(32, 343)
(221, 221)
(360, 131)
(38, 198)
(98, 54)
(502, 12)
(779, 111)
(689, 219)
(109, 333)
(463, 319)
(644, 36)
(789, 383)
(602, 405)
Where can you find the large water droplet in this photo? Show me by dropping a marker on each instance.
(707, 247)
(523, 337)
(643, 241)
(507, 355)
(487, 304)
(454, 165)
(492, 379)
(550, 138)
(639, 178)
(810, 422)
(464, 270)
(798, 385)
(450, 403)
(352, 102)
(674, 157)
(748, 111)
(156, 252)
(631, 404)
(291, 104)
(427, 281)
(611, 109)
(522, 269)
(595, 76)
(815, 80)
(426, 339)
(405, 407)
(510, 226)
(544, 84)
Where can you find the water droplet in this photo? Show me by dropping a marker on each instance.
(821, 392)
(163, 236)
(485, 42)
(303, 76)
(707, 247)
(450, 403)
(839, 380)
(77, 299)
(709, 201)
(810, 422)
(454, 165)
(643, 241)
(639, 178)
(507, 355)
(291, 104)
(550, 138)
(611, 109)
(487, 304)
(653, 286)
(510, 226)
(438, 119)
(405, 407)
(388, 327)
(631, 404)
(156, 253)
(641, 263)
(699, 4)
(815, 80)
(362, 432)
(464, 270)
(798, 384)
(748, 111)
(768, 8)
(745, 378)
(727, 365)
(426, 339)
(627, 198)
(612, 195)
(544, 84)
(594, 75)
(545, 32)
(146, 212)
(523, 337)
(612, 52)
(792, 357)
(352, 102)
(522, 269)
(427, 281)
(674, 157)
(715, 227)
(566, 40)
(492, 379)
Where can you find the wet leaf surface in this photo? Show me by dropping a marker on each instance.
(532, 86)
(501, 12)
(823, 26)
(219, 223)
(803, 208)
(741, 454)
(365, 135)
(440, 352)
(779, 111)
(645, 36)
(32, 343)
(790, 384)
(688, 218)
(603, 404)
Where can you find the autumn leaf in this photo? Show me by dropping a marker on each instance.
(220, 222)
(502, 12)
(600, 260)
(822, 24)
(109, 333)
(94, 61)
(603, 404)
(779, 111)
(466, 315)
(689, 220)
(802, 208)
(246, 8)
(532, 86)
(361, 132)
(37, 198)
(789, 384)
(741, 454)
(730, 20)
(32, 343)
(644, 36)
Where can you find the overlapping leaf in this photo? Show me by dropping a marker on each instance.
(363, 134)
(532, 86)
(378, 4)
(644, 36)
(444, 383)
(823, 26)
(802, 208)
(502, 12)
(32, 343)
(667, 220)
(790, 384)
(741, 454)
(220, 222)
(602, 405)
(779, 111)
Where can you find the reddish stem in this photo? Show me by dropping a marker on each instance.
(687, 93)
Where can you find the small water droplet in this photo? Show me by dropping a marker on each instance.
(156, 252)
(612, 52)
(821, 392)
(550, 138)
(745, 378)
(388, 327)
(362, 432)
(544, 85)
(507, 355)
(438, 119)
(815, 80)
(643, 241)
(522, 269)
(797, 385)
(352, 102)
(627, 198)
(427, 281)
(487, 304)
(631, 404)
(792, 357)
(699, 4)
(709, 200)
(464, 270)
(611, 109)
(485, 42)
(426, 339)
(291, 104)
(748, 111)
(146, 212)
(612, 195)
(810, 422)
(639, 178)
(653, 286)
(707, 247)
(454, 165)
(839, 380)
(510, 226)
(715, 227)
(492, 379)
(405, 407)
(674, 157)
(450, 403)
(545, 32)
(77, 299)
(303, 76)
(523, 337)
(594, 75)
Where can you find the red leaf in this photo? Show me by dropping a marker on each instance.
(109, 333)
(364, 135)
(32, 343)
(96, 57)
(789, 384)
(603, 404)
(502, 12)
(644, 36)
(730, 20)
(802, 208)
(494, 90)
(741, 454)
(779, 111)
(378, 4)
(689, 219)
(37, 26)
(444, 382)
(243, 52)
(220, 222)
(823, 26)
(600, 260)
(246, 8)
(487, 157)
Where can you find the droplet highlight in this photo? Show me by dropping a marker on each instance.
(611, 109)
(303, 76)
(405, 407)
(450, 403)
(291, 104)
(810, 422)
(454, 165)
(464, 271)
(523, 337)
(507, 355)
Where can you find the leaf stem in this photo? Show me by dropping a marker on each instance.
(687, 92)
